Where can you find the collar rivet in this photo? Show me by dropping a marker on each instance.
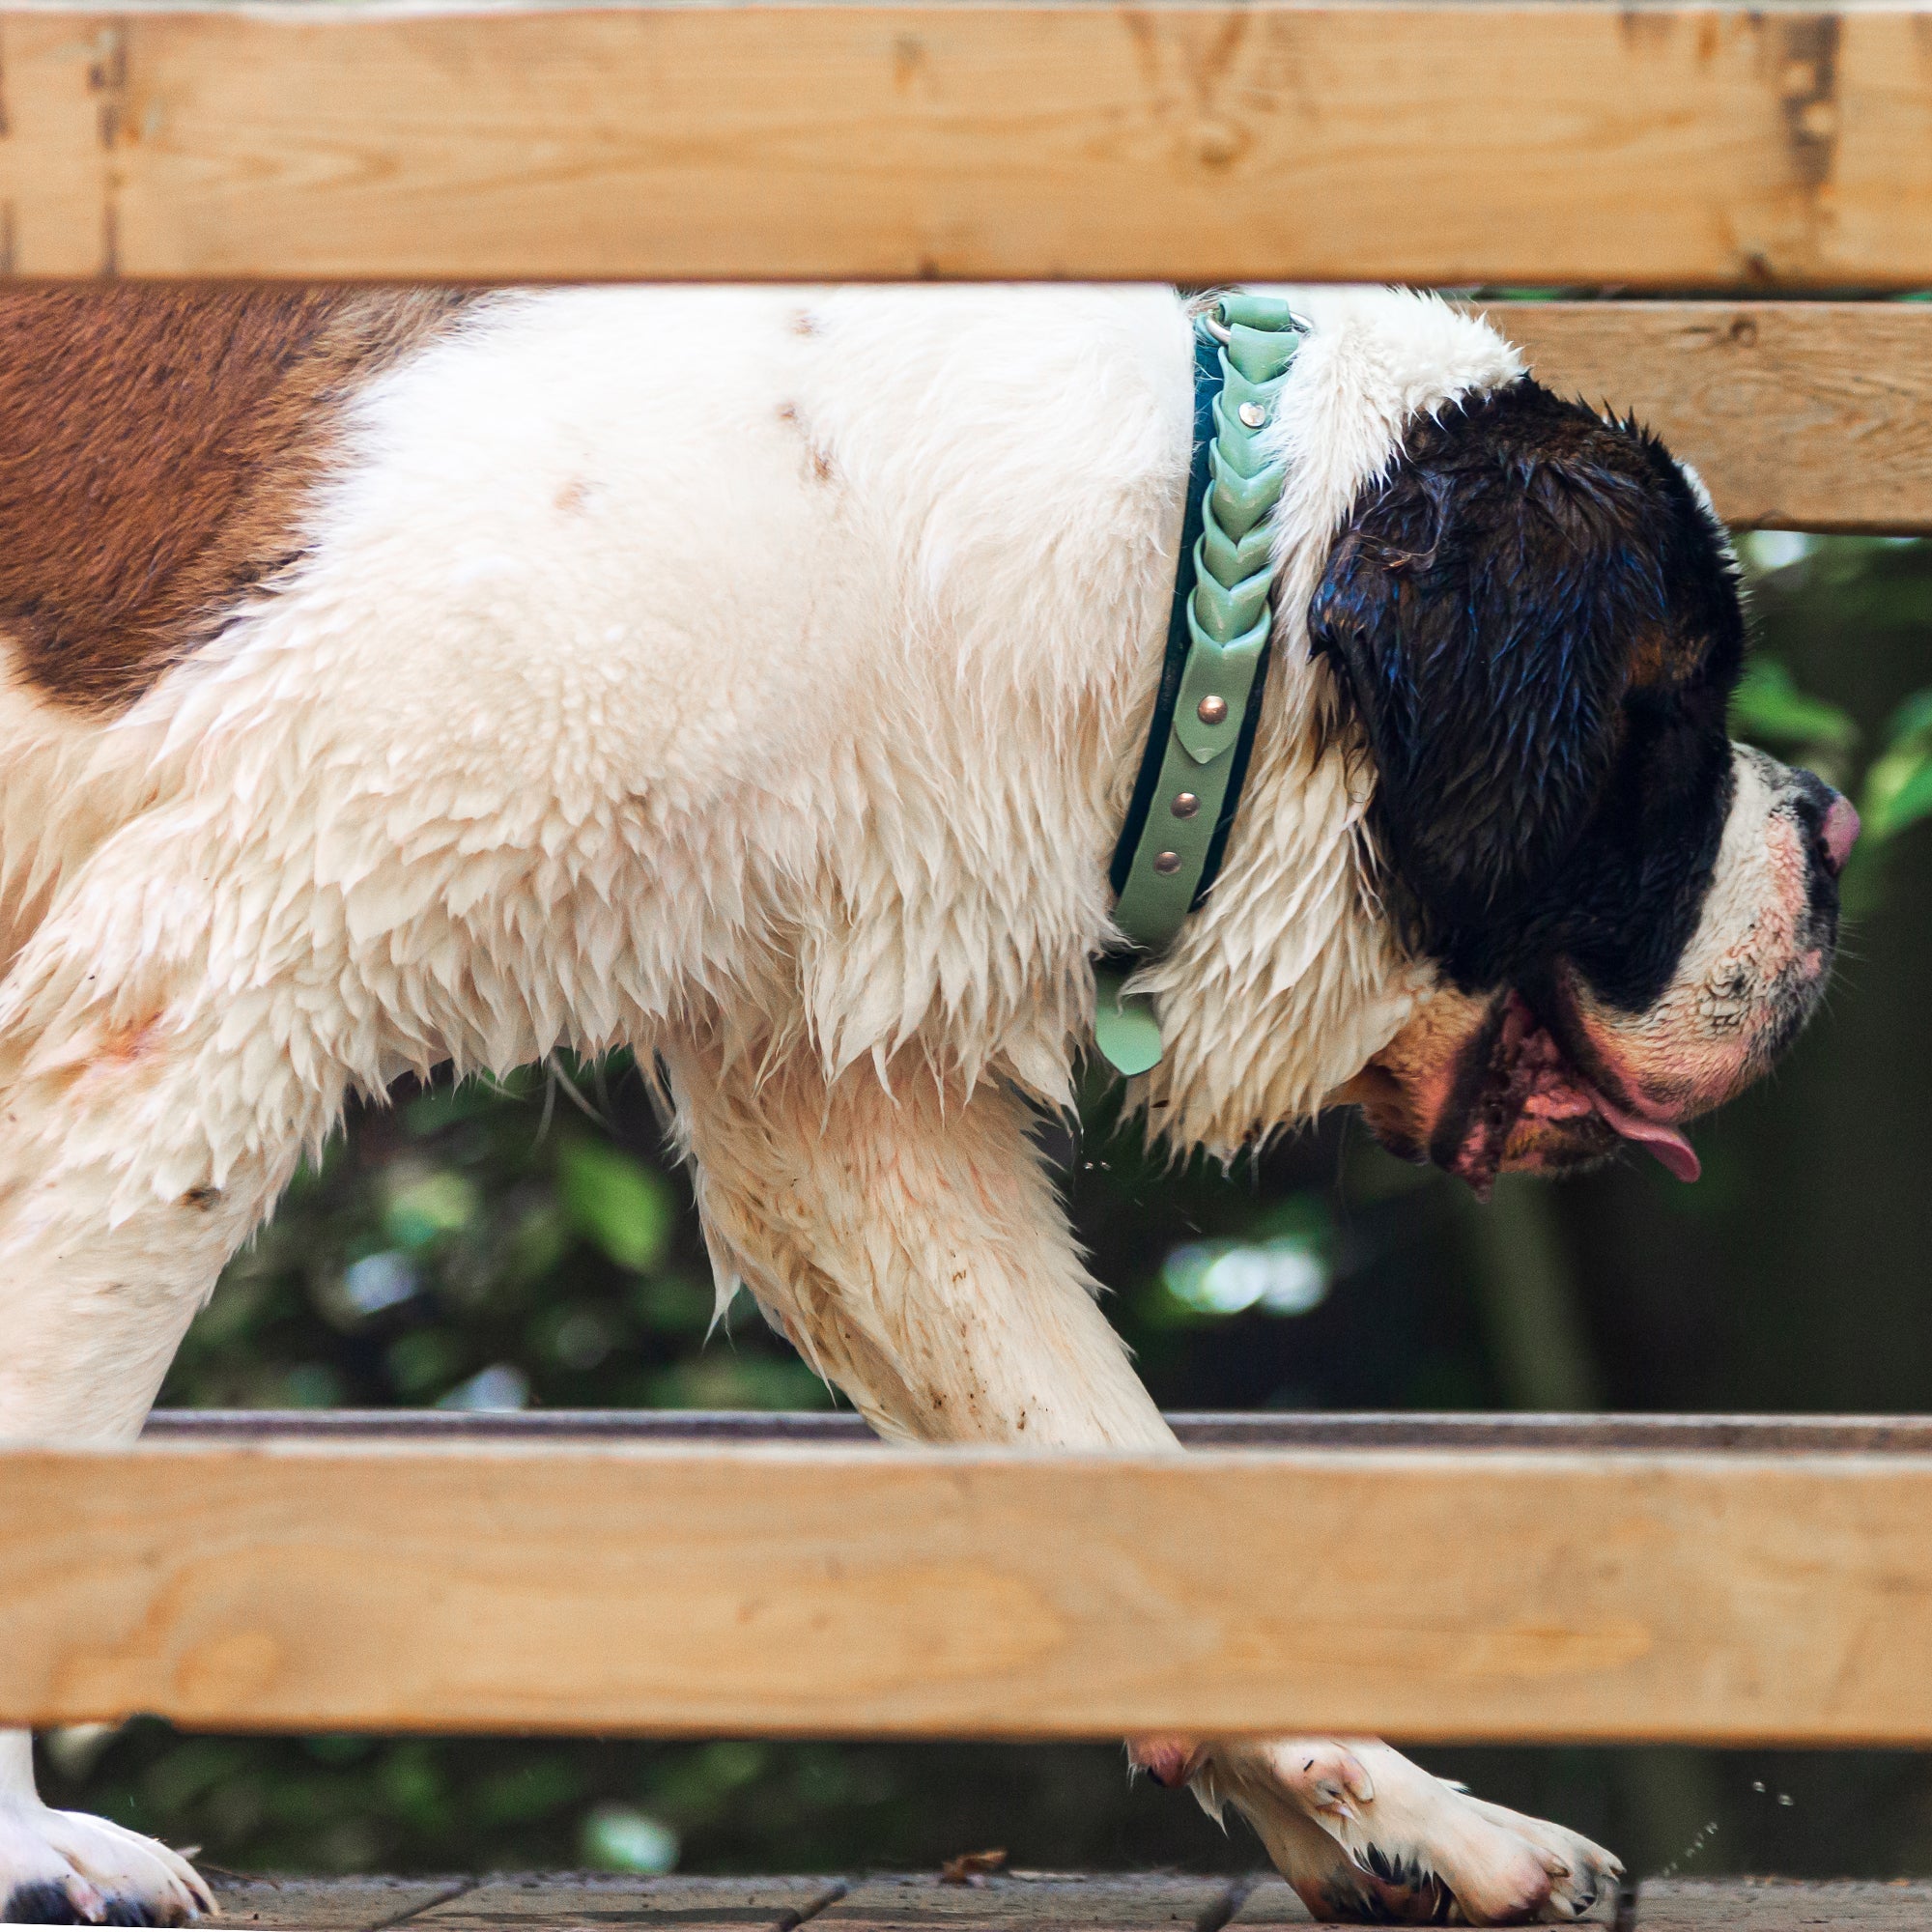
(1211, 710)
(1166, 863)
(1185, 805)
(1252, 416)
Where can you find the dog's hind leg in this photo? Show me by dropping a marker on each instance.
(911, 1246)
(152, 1113)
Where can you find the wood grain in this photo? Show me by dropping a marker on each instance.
(1033, 1902)
(566, 1901)
(679, 1590)
(1432, 143)
(1799, 415)
(330, 1904)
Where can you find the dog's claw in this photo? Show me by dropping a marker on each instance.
(66, 1868)
(1329, 1778)
(70, 1901)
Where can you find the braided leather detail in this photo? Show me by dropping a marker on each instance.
(1228, 624)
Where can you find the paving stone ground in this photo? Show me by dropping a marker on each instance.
(1012, 1902)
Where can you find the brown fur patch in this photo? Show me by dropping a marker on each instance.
(157, 450)
(130, 1042)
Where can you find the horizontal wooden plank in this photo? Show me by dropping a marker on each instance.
(1215, 1429)
(1706, 147)
(681, 1590)
(1799, 415)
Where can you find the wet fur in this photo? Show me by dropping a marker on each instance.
(754, 679)
(1535, 619)
(157, 449)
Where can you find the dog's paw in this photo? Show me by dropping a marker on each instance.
(66, 1868)
(1590, 1874)
(1364, 1835)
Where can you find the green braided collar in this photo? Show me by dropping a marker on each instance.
(1217, 646)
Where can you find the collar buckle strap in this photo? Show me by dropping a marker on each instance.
(1217, 648)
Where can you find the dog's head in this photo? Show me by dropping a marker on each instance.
(1532, 619)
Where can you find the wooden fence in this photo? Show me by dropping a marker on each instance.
(1703, 148)
(1560, 1580)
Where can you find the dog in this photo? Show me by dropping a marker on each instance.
(401, 682)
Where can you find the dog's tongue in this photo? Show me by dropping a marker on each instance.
(1666, 1142)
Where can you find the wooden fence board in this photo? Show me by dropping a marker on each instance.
(1433, 143)
(1799, 415)
(677, 1590)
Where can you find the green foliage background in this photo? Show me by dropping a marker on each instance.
(529, 1242)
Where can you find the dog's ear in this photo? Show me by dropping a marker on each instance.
(1488, 608)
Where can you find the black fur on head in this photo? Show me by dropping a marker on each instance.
(1535, 618)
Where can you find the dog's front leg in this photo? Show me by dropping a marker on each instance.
(913, 1247)
(90, 1310)
(910, 1244)
(149, 1117)
(66, 1868)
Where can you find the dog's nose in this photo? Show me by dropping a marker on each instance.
(1838, 833)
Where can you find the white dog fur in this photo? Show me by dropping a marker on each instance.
(756, 680)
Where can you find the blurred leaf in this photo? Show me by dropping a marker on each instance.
(424, 1359)
(1769, 709)
(192, 1767)
(338, 1748)
(1897, 605)
(412, 1778)
(234, 1312)
(422, 1206)
(1911, 720)
(673, 1304)
(614, 1201)
(1897, 792)
(532, 1790)
(1898, 785)
(533, 1247)
(718, 1379)
(577, 1338)
(312, 1385)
